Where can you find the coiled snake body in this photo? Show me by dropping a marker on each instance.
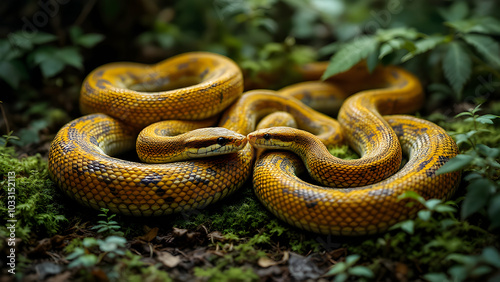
(196, 86)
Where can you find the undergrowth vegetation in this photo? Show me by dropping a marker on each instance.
(452, 46)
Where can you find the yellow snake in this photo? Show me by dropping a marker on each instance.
(194, 86)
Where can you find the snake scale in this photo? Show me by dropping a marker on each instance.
(183, 98)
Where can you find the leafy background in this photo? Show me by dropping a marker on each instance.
(47, 48)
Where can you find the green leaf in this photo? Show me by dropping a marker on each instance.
(12, 72)
(486, 46)
(408, 226)
(458, 273)
(432, 203)
(87, 260)
(70, 56)
(424, 215)
(7, 52)
(41, 38)
(361, 271)
(51, 67)
(478, 194)
(337, 268)
(384, 35)
(457, 11)
(486, 25)
(491, 256)
(445, 208)
(412, 195)
(480, 271)
(89, 242)
(395, 45)
(372, 60)
(457, 66)
(464, 114)
(330, 48)
(349, 55)
(341, 277)
(352, 259)
(76, 253)
(494, 211)
(457, 163)
(89, 40)
(487, 151)
(424, 45)
(436, 277)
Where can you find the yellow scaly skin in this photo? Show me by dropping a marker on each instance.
(362, 210)
(371, 208)
(79, 158)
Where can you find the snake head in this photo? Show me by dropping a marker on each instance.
(206, 142)
(273, 138)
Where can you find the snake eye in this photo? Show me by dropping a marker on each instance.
(221, 141)
(267, 136)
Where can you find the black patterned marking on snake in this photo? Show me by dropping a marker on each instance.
(307, 98)
(73, 134)
(381, 192)
(442, 160)
(94, 167)
(370, 137)
(89, 90)
(423, 164)
(182, 66)
(196, 179)
(113, 191)
(99, 73)
(151, 179)
(93, 140)
(203, 73)
(211, 172)
(101, 83)
(160, 192)
(398, 129)
(67, 147)
(311, 204)
(168, 199)
(78, 170)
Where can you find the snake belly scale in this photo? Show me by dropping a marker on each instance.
(123, 98)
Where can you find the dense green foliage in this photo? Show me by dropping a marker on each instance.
(452, 46)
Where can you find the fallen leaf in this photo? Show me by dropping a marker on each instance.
(216, 236)
(148, 237)
(168, 259)
(266, 262)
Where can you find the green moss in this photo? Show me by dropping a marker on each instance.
(343, 152)
(230, 274)
(36, 199)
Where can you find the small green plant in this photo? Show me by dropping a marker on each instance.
(231, 274)
(108, 226)
(468, 42)
(483, 190)
(346, 269)
(481, 267)
(19, 54)
(427, 216)
(87, 255)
